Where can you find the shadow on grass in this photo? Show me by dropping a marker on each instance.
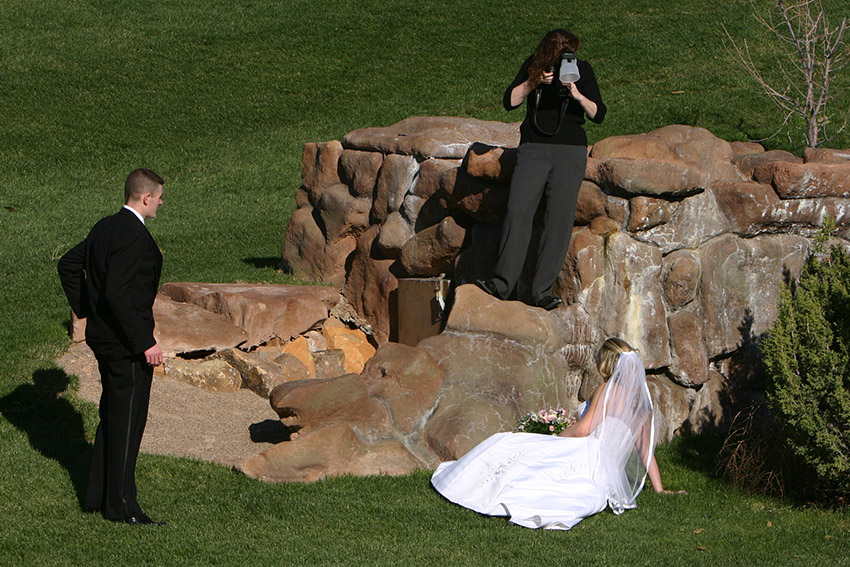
(697, 452)
(54, 427)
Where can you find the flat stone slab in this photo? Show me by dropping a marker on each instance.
(264, 311)
(433, 136)
(186, 327)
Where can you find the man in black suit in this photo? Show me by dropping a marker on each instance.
(111, 279)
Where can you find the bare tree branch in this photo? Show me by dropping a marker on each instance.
(812, 52)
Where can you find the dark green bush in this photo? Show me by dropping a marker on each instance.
(807, 365)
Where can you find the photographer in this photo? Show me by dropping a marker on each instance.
(551, 160)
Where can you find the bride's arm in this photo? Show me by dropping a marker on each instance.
(584, 426)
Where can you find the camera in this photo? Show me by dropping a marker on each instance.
(568, 69)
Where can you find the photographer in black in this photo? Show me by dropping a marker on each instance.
(559, 91)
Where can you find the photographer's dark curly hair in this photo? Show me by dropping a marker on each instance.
(549, 51)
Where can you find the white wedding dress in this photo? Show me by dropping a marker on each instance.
(545, 481)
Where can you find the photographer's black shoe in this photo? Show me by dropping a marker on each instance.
(549, 303)
(489, 287)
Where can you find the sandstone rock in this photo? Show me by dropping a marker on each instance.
(789, 214)
(330, 451)
(696, 220)
(263, 311)
(292, 368)
(342, 214)
(481, 199)
(213, 374)
(687, 341)
(713, 404)
(431, 252)
(825, 155)
(407, 380)
(316, 341)
(477, 312)
(302, 198)
(314, 404)
(741, 280)
(259, 375)
(594, 171)
(488, 392)
(430, 176)
(394, 181)
(629, 305)
(802, 180)
(371, 287)
(746, 205)
(583, 267)
(591, 203)
(438, 137)
(329, 363)
(648, 212)
(299, 349)
(700, 147)
(747, 163)
(639, 147)
(491, 162)
(410, 207)
(353, 343)
(740, 149)
(654, 177)
(393, 235)
(186, 328)
(672, 405)
(320, 167)
(681, 277)
(308, 256)
(432, 211)
(753, 208)
(359, 170)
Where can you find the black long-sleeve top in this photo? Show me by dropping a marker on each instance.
(548, 111)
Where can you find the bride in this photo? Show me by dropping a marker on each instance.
(543, 481)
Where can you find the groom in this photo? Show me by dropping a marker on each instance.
(111, 279)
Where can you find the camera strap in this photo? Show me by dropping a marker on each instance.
(538, 92)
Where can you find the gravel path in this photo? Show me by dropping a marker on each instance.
(186, 421)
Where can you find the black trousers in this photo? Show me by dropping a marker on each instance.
(541, 169)
(123, 414)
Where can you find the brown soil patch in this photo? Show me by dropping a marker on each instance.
(186, 421)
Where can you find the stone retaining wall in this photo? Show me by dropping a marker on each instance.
(680, 246)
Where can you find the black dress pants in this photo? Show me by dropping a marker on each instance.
(123, 414)
(556, 171)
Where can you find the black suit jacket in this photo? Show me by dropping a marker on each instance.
(111, 278)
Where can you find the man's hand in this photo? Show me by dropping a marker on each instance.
(153, 356)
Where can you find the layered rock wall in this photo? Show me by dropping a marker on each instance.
(681, 244)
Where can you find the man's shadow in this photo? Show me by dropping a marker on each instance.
(54, 427)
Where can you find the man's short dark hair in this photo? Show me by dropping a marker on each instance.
(139, 182)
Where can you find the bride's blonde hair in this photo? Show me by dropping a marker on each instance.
(609, 354)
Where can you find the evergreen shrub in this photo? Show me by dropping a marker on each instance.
(806, 358)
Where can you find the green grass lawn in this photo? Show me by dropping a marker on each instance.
(219, 98)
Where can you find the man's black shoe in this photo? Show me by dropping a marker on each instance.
(488, 287)
(549, 303)
(140, 520)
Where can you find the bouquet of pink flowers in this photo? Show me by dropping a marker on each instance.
(546, 421)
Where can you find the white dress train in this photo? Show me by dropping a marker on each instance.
(545, 481)
(538, 481)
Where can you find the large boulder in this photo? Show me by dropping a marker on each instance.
(262, 311)
(184, 328)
